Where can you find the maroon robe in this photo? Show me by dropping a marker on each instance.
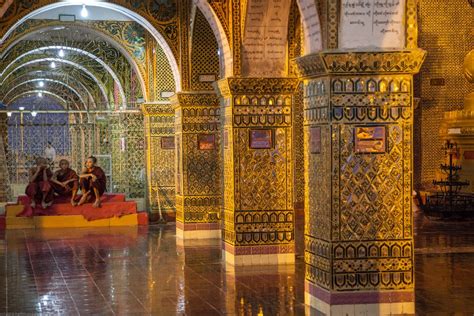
(62, 176)
(38, 187)
(100, 183)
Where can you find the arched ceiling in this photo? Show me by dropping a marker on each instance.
(104, 58)
(33, 32)
(73, 82)
(158, 18)
(120, 43)
(46, 63)
(83, 51)
(41, 83)
(73, 76)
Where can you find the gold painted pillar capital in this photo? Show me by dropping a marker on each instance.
(370, 62)
(157, 108)
(194, 99)
(259, 86)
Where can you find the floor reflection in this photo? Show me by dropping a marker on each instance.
(149, 271)
(444, 264)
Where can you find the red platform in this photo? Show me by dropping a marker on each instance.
(113, 205)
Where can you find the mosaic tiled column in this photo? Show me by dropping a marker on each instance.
(258, 170)
(160, 159)
(358, 167)
(198, 172)
(128, 153)
(4, 188)
(76, 152)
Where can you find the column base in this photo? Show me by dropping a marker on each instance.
(198, 230)
(359, 303)
(258, 254)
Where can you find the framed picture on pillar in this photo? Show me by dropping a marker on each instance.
(206, 141)
(315, 140)
(370, 139)
(261, 138)
(167, 142)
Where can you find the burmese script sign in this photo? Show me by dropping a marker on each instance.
(372, 23)
(265, 38)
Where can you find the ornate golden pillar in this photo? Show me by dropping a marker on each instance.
(258, 170)
(358, 117)
(128, 154)
(4, 184)
(160, 157)
(4, 128)
(198, 170)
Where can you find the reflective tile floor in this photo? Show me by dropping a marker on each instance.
(145, 271)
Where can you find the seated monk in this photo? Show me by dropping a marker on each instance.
(92, 182)
(65, 181)
(39, 189)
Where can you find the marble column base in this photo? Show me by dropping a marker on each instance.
(359, 303)
(197, 230)
(258, 254)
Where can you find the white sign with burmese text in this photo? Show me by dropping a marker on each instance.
(265, 38)
(372, 23)
(311, 26)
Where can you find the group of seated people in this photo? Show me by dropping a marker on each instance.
(44, 185)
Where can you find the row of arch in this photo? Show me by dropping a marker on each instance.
(317, 35)
(215, 20)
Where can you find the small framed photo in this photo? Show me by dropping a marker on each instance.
(167, 142)
(206, 141)
(261, 138)
(315, 140)
(370, 139)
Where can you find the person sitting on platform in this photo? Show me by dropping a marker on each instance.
(39, 189)
(65, 181)
(92, 182)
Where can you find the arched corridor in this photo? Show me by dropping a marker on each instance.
(300, 135)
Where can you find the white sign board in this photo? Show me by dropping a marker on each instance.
(311, 26)
(372, 24)
(264, 48)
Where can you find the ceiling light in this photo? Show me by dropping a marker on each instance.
(53, 65)
(34, 113)
(84, 12)
(61, 53)
(41, 84)
(21, 108)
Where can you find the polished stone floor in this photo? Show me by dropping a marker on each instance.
(145, 271)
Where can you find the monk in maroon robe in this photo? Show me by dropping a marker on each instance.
(65, 181)
(39, 188)
(92, 182)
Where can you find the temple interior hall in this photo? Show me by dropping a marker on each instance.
(237, 157)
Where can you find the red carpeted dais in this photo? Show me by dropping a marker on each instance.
(113, 205)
